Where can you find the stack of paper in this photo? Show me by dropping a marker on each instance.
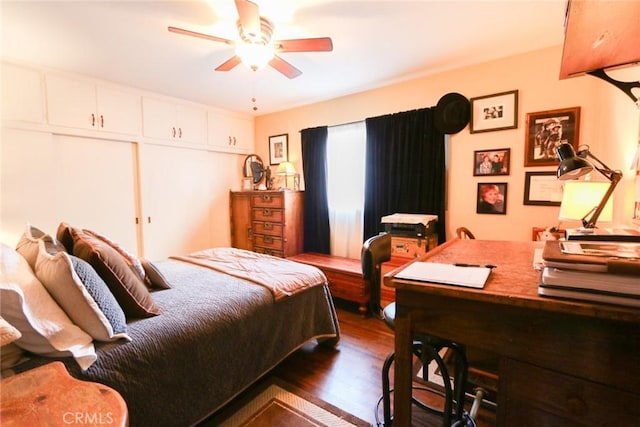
(449, 274)
(592, 270)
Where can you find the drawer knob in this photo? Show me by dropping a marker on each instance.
(268, 226)
(266, 198)
(267, 239)
(266, 212)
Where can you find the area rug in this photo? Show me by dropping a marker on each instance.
(276, 403)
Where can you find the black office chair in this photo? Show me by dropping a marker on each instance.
(375, 251)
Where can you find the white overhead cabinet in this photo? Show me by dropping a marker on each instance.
(230, 133)
(172, 121)
(81, 104)
(22, 99)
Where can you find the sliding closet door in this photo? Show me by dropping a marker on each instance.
(46, 179)
(176, 200)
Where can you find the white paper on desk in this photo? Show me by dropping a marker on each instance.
(472, 277)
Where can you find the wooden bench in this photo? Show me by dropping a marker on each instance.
(345, 277)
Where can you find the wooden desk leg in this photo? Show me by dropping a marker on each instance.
(402, 369)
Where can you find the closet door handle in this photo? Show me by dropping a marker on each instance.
(173, 132)
(179, 132)
(101, 121)
(93, 120)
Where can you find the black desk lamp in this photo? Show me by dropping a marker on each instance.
(573, 166)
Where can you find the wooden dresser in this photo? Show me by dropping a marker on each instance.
(269, 222)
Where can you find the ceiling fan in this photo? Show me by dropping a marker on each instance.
(255, 47)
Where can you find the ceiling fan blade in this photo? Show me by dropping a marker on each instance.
(319, 44)
(229, 64)
(200, 35)
(249, 17)
(284, 67)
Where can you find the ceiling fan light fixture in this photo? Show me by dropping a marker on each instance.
(255, 55)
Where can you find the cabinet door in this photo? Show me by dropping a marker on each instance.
(176, 200)
(242, 133)
(71, 102)
(22, 98)
(230, 133)
(158, 119)
(192, 124)
(119, 111)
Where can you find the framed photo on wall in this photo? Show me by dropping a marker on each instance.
(542, 189)
(546, 130)
(492, 198)
(494, 112)
(278, 149)
(491, 162)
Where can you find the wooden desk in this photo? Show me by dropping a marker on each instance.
(562, 362)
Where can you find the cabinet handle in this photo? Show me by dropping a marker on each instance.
(266, 198)
(149, 219)
(266, 212)
(230, 143)
(268, 239)
(179, 132)
(173, 132)
(234, 140)
(137, 220)
(93, 120)
(268, 226)
(101, 121)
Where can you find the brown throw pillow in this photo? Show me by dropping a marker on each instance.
(129, 290)
(63, 234)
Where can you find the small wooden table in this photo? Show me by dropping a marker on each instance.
(48, 395)
(562, 362)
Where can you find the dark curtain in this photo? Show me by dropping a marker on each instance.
(405, 169)
(316, 205)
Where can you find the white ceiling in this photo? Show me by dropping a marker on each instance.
(376, 43)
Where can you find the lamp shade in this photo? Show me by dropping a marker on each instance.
(286, 169)
(571, 165)
(580, 198)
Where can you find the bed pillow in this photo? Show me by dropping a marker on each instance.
(132, 260)
(45, 328)
(28, 244)
(10, 353)
(128, 289)
(63, 234)
(81, 293)
(153, 277)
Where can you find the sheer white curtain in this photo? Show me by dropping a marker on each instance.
(345, 187)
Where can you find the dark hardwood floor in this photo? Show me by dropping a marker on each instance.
(349, 376)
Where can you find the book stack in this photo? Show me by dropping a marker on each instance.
(607, 272)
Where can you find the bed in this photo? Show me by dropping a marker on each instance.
(216, 334)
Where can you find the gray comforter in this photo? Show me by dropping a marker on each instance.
(216, 335)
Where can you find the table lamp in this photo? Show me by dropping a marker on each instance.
(572, 166)
(580, 198)
(286, 169)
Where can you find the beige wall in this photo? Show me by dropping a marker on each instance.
(609, 124)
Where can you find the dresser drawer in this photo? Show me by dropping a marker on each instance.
(268, 200)
(268, 228)
(268, 242)
(552, 399)
(267, 214)
(267, 251)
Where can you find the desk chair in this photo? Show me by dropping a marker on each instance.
(375, 251)
(464, 233)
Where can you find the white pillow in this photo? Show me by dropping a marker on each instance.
(28, 244)
(81, 293)
(26, 304)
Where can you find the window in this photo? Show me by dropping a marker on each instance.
(345, 187)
